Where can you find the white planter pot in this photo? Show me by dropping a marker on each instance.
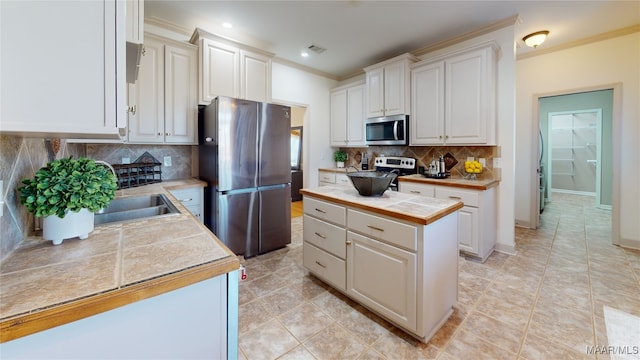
(340, 164)
(74, 224)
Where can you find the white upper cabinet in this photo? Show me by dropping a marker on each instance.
(255, 76)
(165, 95)
(219, 70)
(135, 21)
(348, 115)
(453, 98)
(388, 86)
(231, 69)
(72, 82)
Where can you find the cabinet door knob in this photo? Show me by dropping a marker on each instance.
(208, 139)
(159, 134)
(168, 134)
(348, 242)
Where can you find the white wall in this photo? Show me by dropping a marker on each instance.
(294, 86)
(603, 63)
(505, 113)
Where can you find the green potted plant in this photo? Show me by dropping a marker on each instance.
(67, 192)
(340, 157)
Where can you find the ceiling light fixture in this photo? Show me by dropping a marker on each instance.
(304, 54)
(227, 25)
(535, 39)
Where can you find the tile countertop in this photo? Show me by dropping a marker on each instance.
(42, 285)
(414, 208)
(454, 182)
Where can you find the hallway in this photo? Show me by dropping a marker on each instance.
(546, 302)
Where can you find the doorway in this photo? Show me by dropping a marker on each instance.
(602, 153)
(574, 153)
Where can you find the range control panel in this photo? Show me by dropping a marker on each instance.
(395, 162)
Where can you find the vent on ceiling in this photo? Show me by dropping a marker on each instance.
(316, 49)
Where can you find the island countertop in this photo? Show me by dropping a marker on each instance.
(409, 207)
(42, 285)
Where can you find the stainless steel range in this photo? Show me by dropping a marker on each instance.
(398, 164)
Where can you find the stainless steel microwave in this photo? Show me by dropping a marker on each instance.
(387, 130)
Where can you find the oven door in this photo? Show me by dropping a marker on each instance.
(390, 130)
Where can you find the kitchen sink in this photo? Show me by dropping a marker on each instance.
(135, 208)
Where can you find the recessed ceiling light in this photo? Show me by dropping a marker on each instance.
(227, 25)
(304, 54)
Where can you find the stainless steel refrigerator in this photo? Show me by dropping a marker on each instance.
(244, 156)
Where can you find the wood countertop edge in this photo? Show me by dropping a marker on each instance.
(391, 213)
(27, 324)
(486, 186)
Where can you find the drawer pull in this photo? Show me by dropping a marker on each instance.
(375, 228)
(415, 192)
(186, 200)
(455, 197)
(321, 211)
(320, 235)
(321, 265)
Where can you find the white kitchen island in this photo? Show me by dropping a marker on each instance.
(396, 254)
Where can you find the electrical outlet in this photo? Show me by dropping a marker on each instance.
(483, 162)
(497, 163)
(167, 161)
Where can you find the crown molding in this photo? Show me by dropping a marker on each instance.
(501, 24)
(305, 68)
(159, 22)
(600, 37)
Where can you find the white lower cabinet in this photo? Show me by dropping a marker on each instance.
(477, 221)
(192, 199)
(198, 321)
(330, 178)
(405, 272)
(383, 278)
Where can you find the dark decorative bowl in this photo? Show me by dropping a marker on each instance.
(371, 183)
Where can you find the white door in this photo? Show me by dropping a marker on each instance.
(355, 116)
(147, 124)
(181, 112)
(427, 102)
(338, 117)
(375, 92)
(382, 277)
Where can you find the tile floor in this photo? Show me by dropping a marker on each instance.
(546, 302)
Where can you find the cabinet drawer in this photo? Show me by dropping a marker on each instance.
(469, 198)
(325, 211)
(188, 197)
(327, 237)
(417, 189)
(326, 177)
(390, 231)
(325, 266)
(342, 179)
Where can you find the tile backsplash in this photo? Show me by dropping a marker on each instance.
(424, 155)
(21, 157)
(113, 153)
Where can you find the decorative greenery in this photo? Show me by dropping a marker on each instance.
(68, 185)
(340, 156)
